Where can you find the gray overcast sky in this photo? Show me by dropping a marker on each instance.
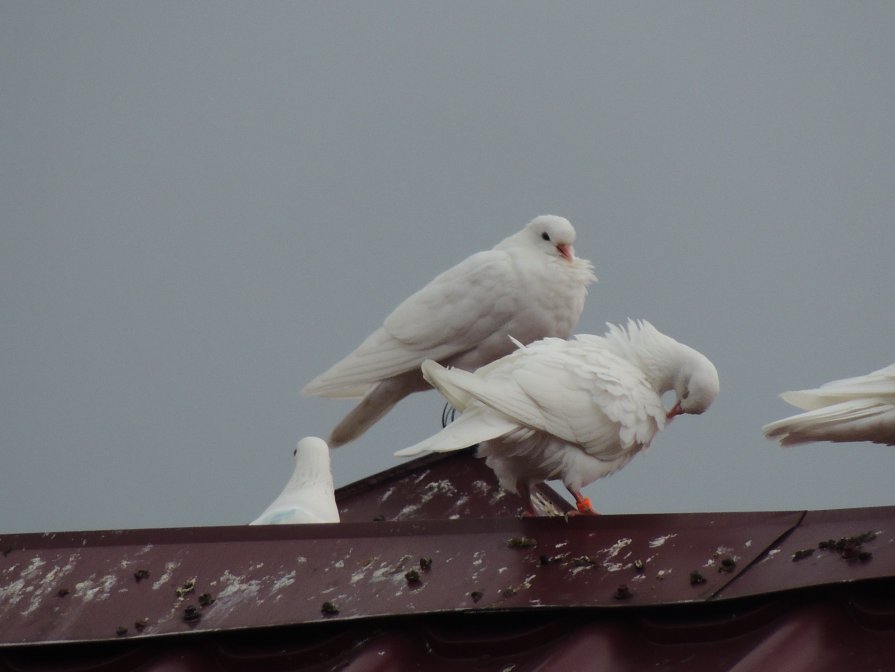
(204, 205)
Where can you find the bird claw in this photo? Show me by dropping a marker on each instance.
(584, 508)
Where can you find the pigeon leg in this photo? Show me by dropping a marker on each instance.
(525, 493)
(583, 504)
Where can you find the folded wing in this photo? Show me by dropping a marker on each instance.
(453, 313)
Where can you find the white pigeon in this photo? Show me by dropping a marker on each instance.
(851, 409)
(528, 286)
(573, 410)
(308, 496)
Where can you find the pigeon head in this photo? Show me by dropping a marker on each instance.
(312, 452)
(555, 235)
(667, 364)
(696, 385)
(308, 496)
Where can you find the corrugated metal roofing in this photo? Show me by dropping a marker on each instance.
(790, 590)
(822, 631)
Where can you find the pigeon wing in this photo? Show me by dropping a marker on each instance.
(291, 515)
(879, 384)
(314, 504)
(584, 402)
(853, 420)
(453, 313)
(594, 400)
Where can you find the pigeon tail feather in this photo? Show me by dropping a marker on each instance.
(379, 401)
(855, 420)
(469, 429)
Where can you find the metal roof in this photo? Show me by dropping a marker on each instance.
(447, 485)
(416, 591)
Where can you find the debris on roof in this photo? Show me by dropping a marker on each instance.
(438, 486)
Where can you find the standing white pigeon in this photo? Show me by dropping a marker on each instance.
(308, 496)
(851, 409)
(528, 286)
(575, 410)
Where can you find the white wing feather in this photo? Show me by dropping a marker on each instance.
(463, 305)
(292, 515)
(467, 430)
(879, 384)
(453, 313)
(861, 408)
(549, 387)
(852, 420)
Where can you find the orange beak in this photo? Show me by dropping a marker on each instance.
(566, 251)
(675, 410)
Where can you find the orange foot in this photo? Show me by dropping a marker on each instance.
(583, 505)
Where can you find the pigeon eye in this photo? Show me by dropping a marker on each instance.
(545, 236)
(294, 452)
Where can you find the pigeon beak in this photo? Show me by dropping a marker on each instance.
(566, 251)
(675, 410)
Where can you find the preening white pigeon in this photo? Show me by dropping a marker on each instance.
(851, 409)
(575, 410)
(528, 286)
(308, 496)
